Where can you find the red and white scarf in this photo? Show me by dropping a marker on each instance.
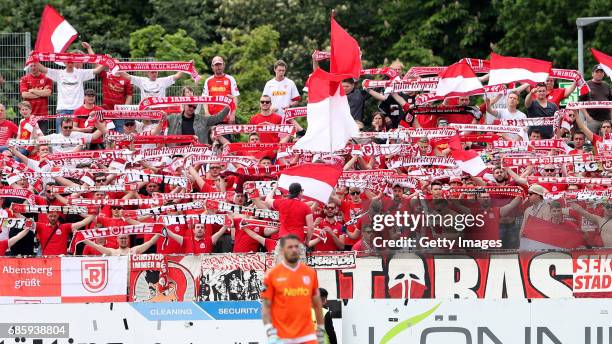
(421, 161)
(321, 55)
(156, 102)
(503, 190)
(571, 180)
(114, 231)
(544, 160)
(152, 115)
(146, 154)
(227, 129)
(486, 127)
(8, 192)
(133, 176)
(388, 71)
(163, 209)
(46, 141)
(295, 112)
(117, 202)
(161, 66)
(105, 60)
(95, 188)
(536, 144)
(195, 195)
(193, 160)
(589, 105)
(234, 208)
(207, 219)
(150, 139)
(385, 149)
(580, 195)
(64, 209)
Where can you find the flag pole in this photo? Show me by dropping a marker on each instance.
(333, 15)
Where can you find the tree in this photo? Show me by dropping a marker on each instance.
(249, 57)
(154, 41)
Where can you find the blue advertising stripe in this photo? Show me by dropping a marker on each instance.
(232, 310)
(170, 311)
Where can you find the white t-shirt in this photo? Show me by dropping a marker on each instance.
(70, 92)
(150, 88)
(505, 114)
(282, 93)
(63, 148)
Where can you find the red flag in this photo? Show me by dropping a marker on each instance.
(345, 52)
(317, 180)
(605, 61)
(541, 234)
(458, 80)
(468, 160)
(55, 34)
(506, 69)
(330, 124)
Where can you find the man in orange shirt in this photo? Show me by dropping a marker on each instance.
(290, 293)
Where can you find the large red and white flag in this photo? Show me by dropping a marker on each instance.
(330, 124)
(55, 34)
(539, 234)
(468, 161)
(458, 80)
(345, 52)
(506, 69)
(605, 61)
(317, 180)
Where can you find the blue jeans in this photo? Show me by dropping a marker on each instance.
(58, 121)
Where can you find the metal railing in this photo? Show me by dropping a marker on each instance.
(15, 48)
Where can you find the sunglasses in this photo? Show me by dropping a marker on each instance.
(355, 193)
(330, 208)
(67, 128)
(549, 169)
(192, 106)
(129, 124)
(115, 208)
(265, 102)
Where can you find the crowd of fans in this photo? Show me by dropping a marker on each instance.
(344, 223)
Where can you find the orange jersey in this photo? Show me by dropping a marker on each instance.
(290, 293)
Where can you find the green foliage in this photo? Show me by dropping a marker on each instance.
(153, 41)
(249, 57)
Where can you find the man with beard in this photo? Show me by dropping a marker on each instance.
(290, 292)
(331, 231)
(507, 223)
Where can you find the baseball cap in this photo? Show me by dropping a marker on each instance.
(597, 67)
(217, 60)
(455, 179)
(90, 92)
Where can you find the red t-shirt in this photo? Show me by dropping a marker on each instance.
(3, 247)
(172, 246)
(270, 245)
(224, 85)
(271, 119)
(40, 82)
(193, 246)
(115, 90)
(53, 239)
(243, 243)
(329, 244)
(8, 130)
(556, 95)
(83, 113)
(292, 217)
(351, 210)
(40, 200)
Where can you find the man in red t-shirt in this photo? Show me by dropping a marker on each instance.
(556, 95)
(36, 88)
(8, 129)
(331, 237)
(53, 236)
(294, 214)
(221, 84)
(266, 116)
(201, 241)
